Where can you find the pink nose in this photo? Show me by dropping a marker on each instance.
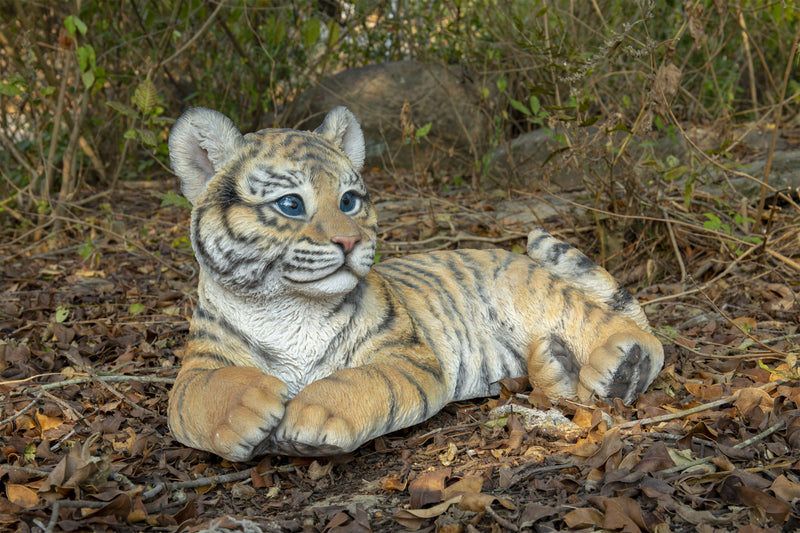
(347, 242)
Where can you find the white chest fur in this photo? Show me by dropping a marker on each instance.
(298, 334)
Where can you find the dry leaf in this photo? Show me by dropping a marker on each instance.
(583, 517)
(582, 418)
(776, 509)
(467, 484)
(21, 495)
(414, 518)
(784, 489)
(751, 398)
(317, 471)
(428, 488)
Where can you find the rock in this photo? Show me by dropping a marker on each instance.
(542, 157)
(784, 173)
(447, 97)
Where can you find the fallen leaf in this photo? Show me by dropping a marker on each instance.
(620, 514)
(392, 483)
(21, 495)
(428, 488)
(776, 509)
(414, 518)
(534, 512)
(449, 455)
(751, 398)
(478, 501)
(610, 445)
(582, 418)
(48, 422)
(584, 517)
(466, 484)
(317, 471)
(786, 490)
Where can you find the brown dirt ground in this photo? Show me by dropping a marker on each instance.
(91, 327)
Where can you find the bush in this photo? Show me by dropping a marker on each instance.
(88, 96)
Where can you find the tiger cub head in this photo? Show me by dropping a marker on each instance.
(279, 211)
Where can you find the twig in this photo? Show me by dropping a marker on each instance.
(499, 519)
(22, 411)
(764, 434)
(747, 334)
(26, 469)
(201, 482)
(53, 517)
(99, 377)
(789, 262)
(77, 362)
(708, 283)
(697, 409)
(676, 250)
(199, 33)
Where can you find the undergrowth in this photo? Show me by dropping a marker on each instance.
(89, 91)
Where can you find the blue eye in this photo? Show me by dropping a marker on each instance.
(291, 205)
(350, 203)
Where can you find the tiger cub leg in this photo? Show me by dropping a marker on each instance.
(339, 413)
(621, 367)
(228, 411)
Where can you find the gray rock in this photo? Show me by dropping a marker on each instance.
(447, 97)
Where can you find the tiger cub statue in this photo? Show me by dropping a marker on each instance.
(300, 344)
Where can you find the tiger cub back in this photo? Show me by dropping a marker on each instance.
(299, 345)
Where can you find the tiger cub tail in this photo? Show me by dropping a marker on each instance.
(571, 265)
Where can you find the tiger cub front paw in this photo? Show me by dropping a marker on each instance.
(312, 428)
(250, 409)
(622, 367)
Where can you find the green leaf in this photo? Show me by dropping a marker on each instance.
(499, 422)
(88, 79)
(676, 172)
(713, 223)
(87, 58)
(536, 105)
(123, 109)
(136, 308)
(519, 106)
(310, 32)
(87, 249)
(7, 89)
(423, 131)
(30, 452)
(171, 199)
(62, 313)
(147, 137)
(72, 23)
(145, 97)
(502, 84)
(517, 249)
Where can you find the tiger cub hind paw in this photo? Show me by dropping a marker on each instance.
(621, 368)
(250, 419)
(553, 367)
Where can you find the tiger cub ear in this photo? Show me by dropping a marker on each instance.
(201, 142)
(341, 127)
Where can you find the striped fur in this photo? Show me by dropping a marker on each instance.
(299, 345)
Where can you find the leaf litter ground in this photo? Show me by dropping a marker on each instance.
(92, 323)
